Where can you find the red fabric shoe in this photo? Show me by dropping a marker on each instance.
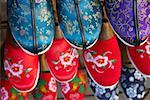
(21, 68)
(62, 60)
(7, 92)
(46, 88)
(103, 62)
(140, 57)
(76, 89)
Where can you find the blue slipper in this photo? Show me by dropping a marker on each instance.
(132, 83)
(104, 93)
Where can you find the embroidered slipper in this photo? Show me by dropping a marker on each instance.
(130, 20)
(104, 93)
(140, 57)
(102, 61)
(62, 60)
(46, 88)
(21, 69)
(76, 89)
(7, 92)
(132, 83)
(32, 24)
(80, 21)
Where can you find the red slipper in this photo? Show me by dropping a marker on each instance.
(76, 89)
(22, 69)
(7, 92)
(62, 60)
(46, 88)
(103, 62)
(140, 57)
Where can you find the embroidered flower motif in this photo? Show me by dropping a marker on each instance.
(131, 92)
(52, 85)
(4, 93)
(44, 15)
(100, 91)
(65, 87)
(147, 49)
(101, 61)
(137, 75)
(15, 69)
(66, 59)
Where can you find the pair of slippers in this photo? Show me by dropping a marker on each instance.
(23, 69)
(46, 89)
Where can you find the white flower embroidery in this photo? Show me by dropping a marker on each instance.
(131, 92)
(137, 75)
(147, 47)
(15, 69)
(65, 87)
(101, 61)
(4, 93)
(66, 59)
(52, 85)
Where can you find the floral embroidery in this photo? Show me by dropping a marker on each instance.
(91, 16)
(4, 93)
(67, 59)
(52, 85)
(100, 61)
(23, 28)
(16, 69)
(137, 75)
(121, 16)
(65, 87)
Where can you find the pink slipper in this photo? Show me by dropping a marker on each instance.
(46, 88)
(140, 57)
(62, 60)
(22, 69)
(7, 92)
(76, 89)
(103, 62)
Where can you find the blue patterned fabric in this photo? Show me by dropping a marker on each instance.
(90, 12)
(104, 93)
(133, 83)
(21, 24)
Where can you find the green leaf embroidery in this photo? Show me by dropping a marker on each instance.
(41, 83)
(20, 97)
(81, 89)
(113, 61)
(13, 91)
(37, 95)
(76, 80)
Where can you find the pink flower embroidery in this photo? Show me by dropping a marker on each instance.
(3, 93)
(15, 69)
(101, 61)
(52, 85)
(65, 87)
(66, 59)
